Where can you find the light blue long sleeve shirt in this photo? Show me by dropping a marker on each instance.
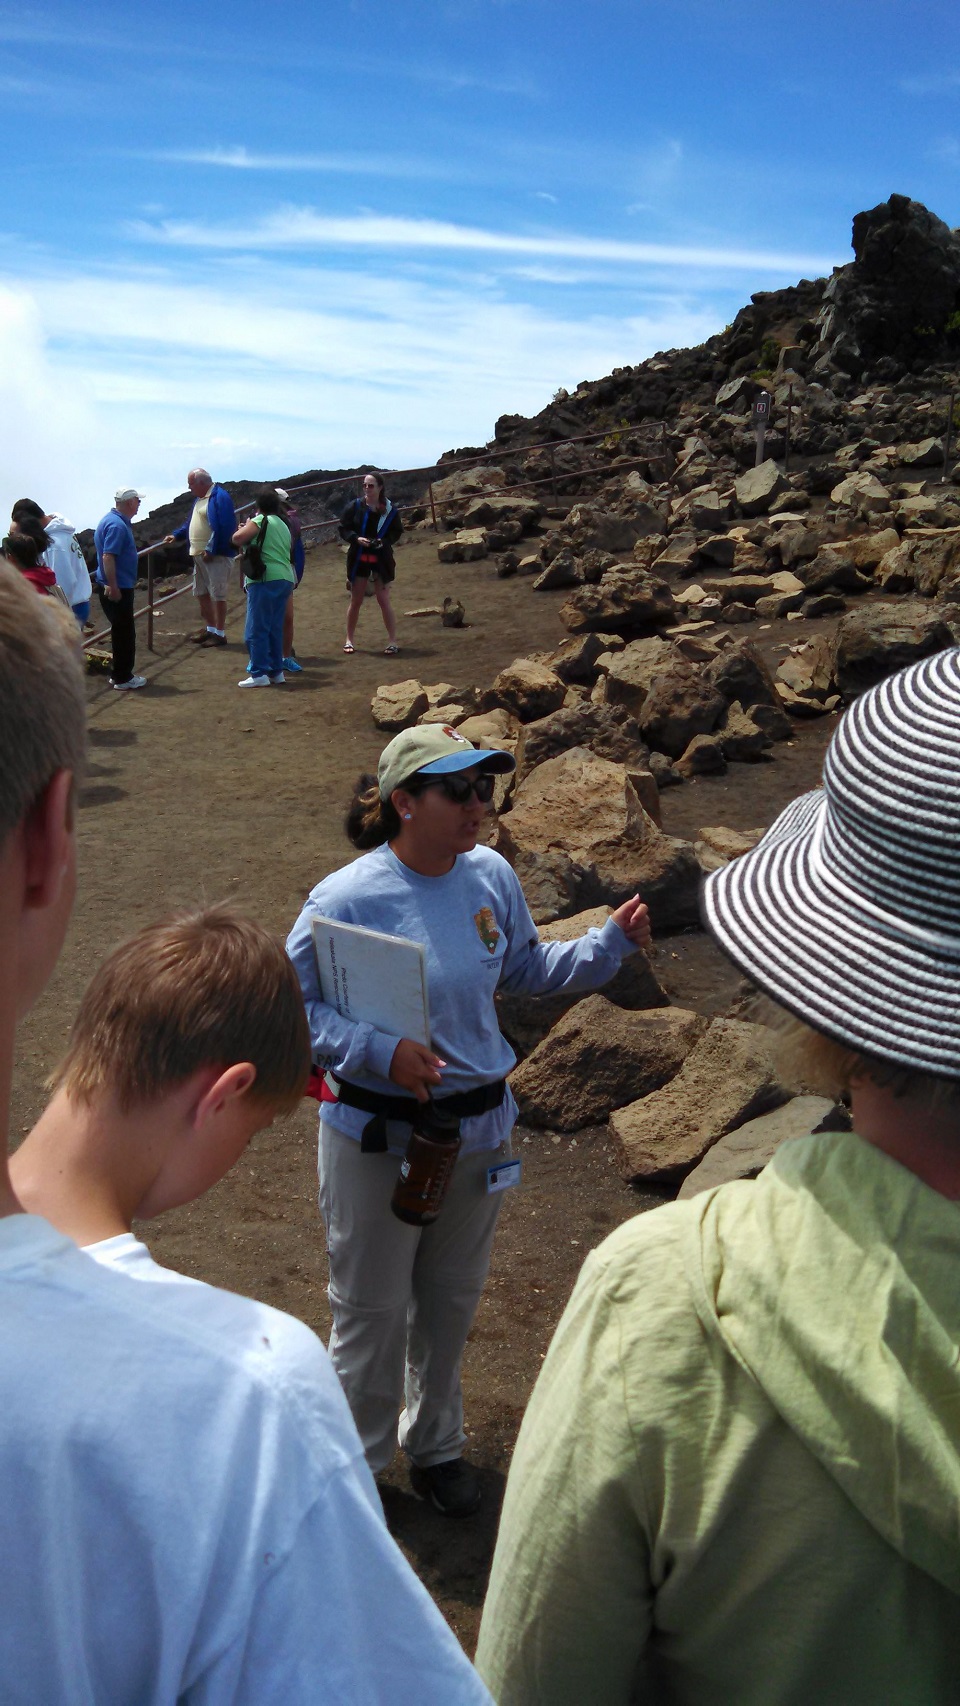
(478, 936)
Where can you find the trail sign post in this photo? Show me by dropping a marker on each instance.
(761, 417)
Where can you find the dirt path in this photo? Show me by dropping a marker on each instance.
(199, 793)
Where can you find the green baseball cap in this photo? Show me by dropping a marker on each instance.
(434, 749)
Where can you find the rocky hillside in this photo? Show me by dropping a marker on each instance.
(712, 605)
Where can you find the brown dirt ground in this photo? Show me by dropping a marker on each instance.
(194, 796)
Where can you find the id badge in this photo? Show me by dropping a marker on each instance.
(503, 1175)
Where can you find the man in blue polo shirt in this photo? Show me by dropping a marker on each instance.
(116, 579)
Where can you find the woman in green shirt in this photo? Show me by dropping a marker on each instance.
(267, 597)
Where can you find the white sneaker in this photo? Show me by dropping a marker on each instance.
(254, 681)
(135, 681)
(278, 679)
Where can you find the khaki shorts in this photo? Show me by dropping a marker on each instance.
(212, 577)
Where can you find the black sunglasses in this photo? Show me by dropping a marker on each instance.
(459, 788)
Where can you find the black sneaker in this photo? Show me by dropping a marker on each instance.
(452, 1487)
(210, 640)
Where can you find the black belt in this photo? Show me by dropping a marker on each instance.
(462, 1105)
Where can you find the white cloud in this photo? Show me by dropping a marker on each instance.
(237, 158)
(136, 378)
(301, 228)
(936, 83)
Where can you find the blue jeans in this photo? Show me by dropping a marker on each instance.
(263, 632)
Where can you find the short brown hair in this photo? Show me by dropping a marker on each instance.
(42, 699)
(201, 989)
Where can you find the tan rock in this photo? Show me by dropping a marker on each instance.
(399, 704)
(728, 1078)
(598, 1057)
(527, 689)
(588, 809)
(631, 673)
(743, 1153)
(716, 847)
(526, 1019)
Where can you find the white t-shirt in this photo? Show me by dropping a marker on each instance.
(186, 1514)
(129, 1256)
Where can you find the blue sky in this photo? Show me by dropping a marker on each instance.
(269, 239)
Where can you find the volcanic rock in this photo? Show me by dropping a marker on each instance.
(874, 642)
(607, 730)
(681, 703)
(626, 601)
(589, 809)
(526, 1019)
(630, 675)
(599, 1057)
(756, 489)
(399, 704)
(744, 1152)
(527, 689)
(727, 1078)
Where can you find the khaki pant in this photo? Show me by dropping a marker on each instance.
(403, 1297)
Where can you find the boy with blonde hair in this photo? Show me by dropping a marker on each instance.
(186, 1512)
(191, 1038)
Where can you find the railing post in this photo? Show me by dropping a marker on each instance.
(947, 436)
(553, 473)
(786, 446)
(433, 509)
(150, 645)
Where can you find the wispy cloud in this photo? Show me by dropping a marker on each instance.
(544, 195)
(936, 83)
(241, 159)
(302, 228)
(946, 150)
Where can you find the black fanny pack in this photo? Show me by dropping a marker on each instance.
(462, 1105)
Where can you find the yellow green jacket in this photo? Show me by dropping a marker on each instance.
(738, 1481)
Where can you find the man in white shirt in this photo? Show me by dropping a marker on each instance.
(186, 1513)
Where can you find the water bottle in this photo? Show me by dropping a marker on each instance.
(427, 1167)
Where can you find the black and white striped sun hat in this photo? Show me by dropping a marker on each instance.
(848, 911)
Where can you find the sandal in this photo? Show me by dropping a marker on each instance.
(391, 651)
(348, 645)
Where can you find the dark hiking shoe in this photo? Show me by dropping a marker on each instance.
(210, 640)
(452, 1487)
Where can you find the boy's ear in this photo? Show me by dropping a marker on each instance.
(224, 1088)
(47, 845)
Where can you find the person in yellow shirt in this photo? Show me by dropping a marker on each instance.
(738, 1480)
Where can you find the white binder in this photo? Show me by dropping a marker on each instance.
(374, 978)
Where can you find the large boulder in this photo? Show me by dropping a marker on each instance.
(741, 675)
(575, 659)
(527, 689)
(927, 453)
(922, 562)
(728, 1077)
(629, 675)
(467, 546)
(878, 639)
(526, 1019)
(489, 510)
(832, 567)
(756, 489)
(897, 296)
(681, 703)
(599, 1057)
(607, 730)
(399, 704)
(744, 1152)
(861, 492)
(602, 530)
(589, 810)
(625, 601)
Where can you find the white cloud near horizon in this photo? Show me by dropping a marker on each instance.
(238, 158)
(301, 228)
(109, 379)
